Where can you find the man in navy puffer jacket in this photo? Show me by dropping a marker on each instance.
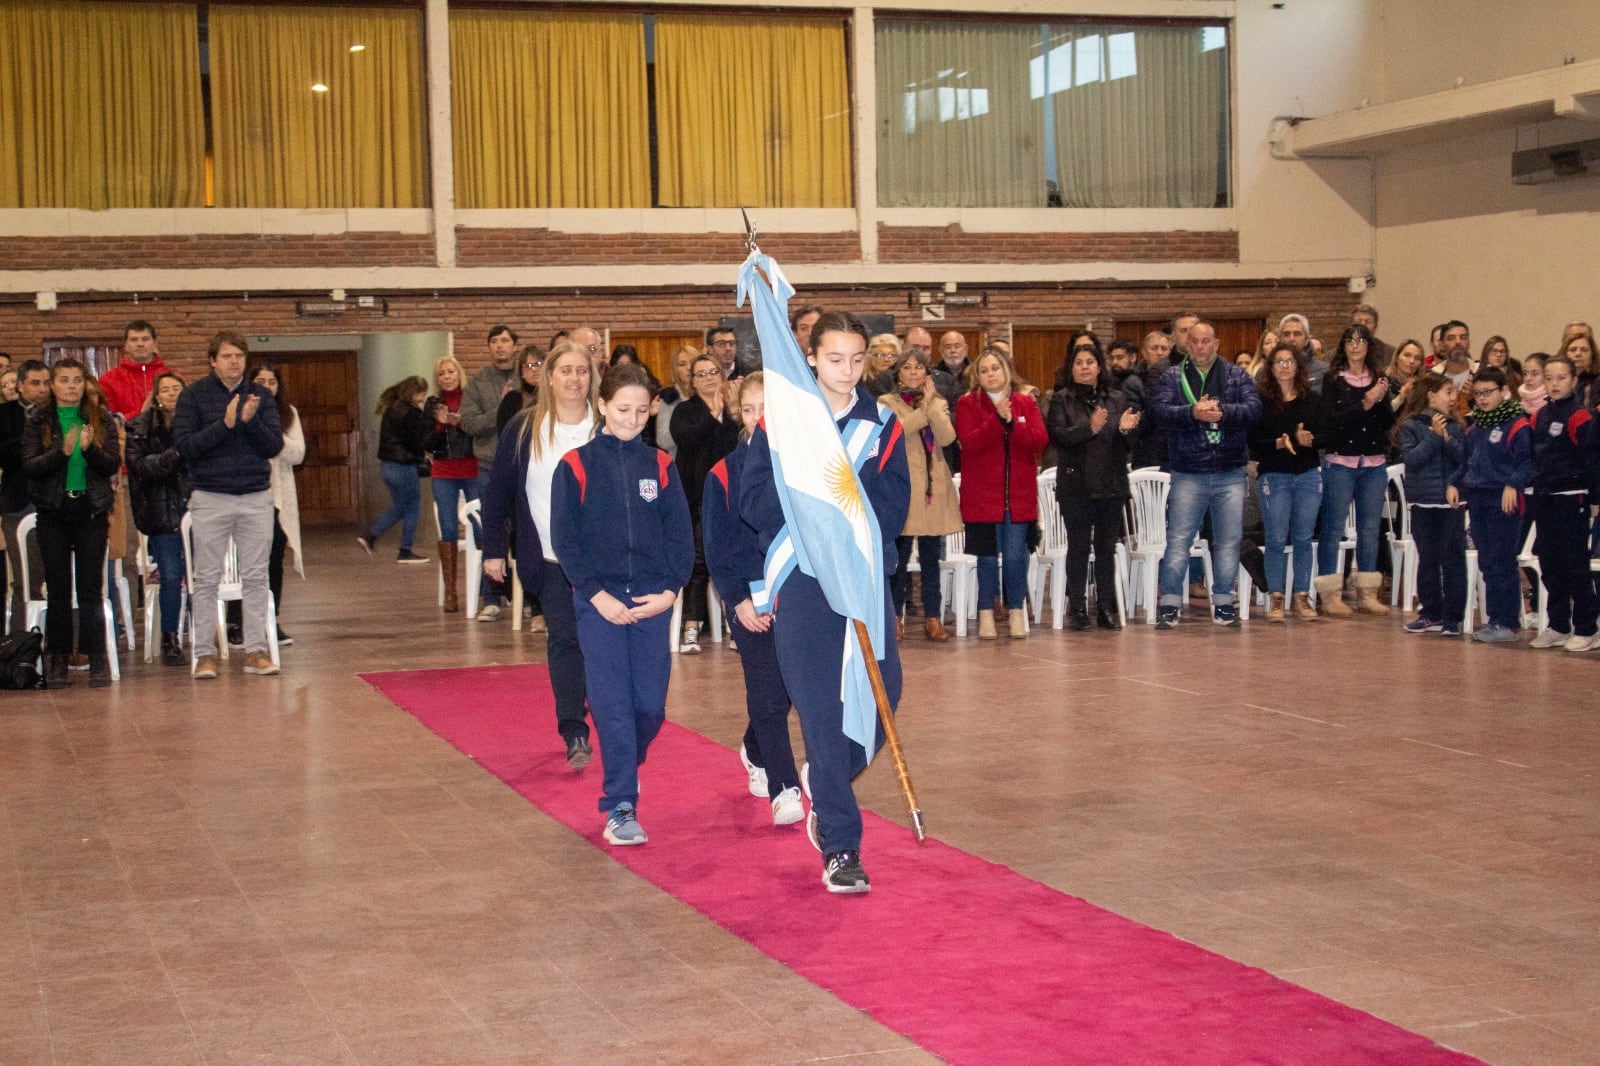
(1207, 406)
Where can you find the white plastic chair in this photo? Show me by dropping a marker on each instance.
(961, 570)
(1402, 548)
(1051, 558)
(471, 549)
(35, 610)
(152, 601)
(1147, 535)
(229, 588)
(116, 578)
(1529, 561)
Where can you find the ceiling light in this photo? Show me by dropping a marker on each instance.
(319, 88)
(358, 48)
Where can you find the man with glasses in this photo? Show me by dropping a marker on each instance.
(722, 344)
(480, 409)
(590, 341)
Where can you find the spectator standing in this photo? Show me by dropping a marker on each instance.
(127, 385)
(479, 410)
(403, 436)
(33, 391)
(1496, 471)
(1432, 446)
(1288, 479)
(227, 431)
(706, 428)
(1563, 459)
(1001, 433)
(285, 503)
(159, 487)
(454, 468)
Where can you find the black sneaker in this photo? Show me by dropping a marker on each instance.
(1166, 617)
(1225, 614)
(407, 556)
(172, 650)
(843, 873)
(366, 540)
(99, 671)
(235, 635)
(284, 639)
(579, 752)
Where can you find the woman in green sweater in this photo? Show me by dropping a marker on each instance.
(70, 454)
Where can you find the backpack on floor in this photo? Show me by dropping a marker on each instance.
(19, 660)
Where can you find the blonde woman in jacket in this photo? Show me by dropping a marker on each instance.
(285, 502)
(935, 510)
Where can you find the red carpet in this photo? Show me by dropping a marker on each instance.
(970, 960)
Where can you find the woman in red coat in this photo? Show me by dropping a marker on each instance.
(1001, 433)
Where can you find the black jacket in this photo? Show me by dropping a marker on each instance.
(1151, 447)
(445, 441)
(1306, 410)
(403, 434)
(1089, 465)
(158, 484)
(46, 466)
(13, 482)
(701, 441)
(1350, 429)
(234, 462)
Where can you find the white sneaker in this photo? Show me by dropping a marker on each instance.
(1550, 638)
(1577, 643)
(489, 613)
(691, 646)
(757, 774)
(787, 808)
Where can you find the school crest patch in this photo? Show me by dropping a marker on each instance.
(648, 489)
(1556, 428)
(1496, 435)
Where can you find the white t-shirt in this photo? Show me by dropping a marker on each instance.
(542, 471)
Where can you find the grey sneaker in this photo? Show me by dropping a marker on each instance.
(843, 873)
(1166, 617)
(1550, 638)
(622, 826)
(1495, 635)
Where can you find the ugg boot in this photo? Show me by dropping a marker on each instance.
(1080, 615)
(1301, 605)
(1330, 593)
(1367, 599)
(448, 558)
(1019, 624)
(986, 625)
(1275, 608)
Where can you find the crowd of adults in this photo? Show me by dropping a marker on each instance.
(1279, 458)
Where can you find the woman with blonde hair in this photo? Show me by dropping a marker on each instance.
(1577, 344)
(883, 356)
(669, 398)
(561, 419)
(455, 467)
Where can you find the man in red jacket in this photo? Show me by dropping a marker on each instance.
(128, 384)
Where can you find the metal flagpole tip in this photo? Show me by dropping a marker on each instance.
(916, 823)
(749, 232)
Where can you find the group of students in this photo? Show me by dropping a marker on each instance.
(138, 442)
(600, 524)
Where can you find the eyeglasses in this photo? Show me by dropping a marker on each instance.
(533, 364)
(706, 375)
(1286, 362)
(726, 342)
(1485, 394)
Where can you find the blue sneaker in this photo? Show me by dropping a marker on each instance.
(1225, 614)
(1424, 625)
(622, 826)
(1449, 631)
(1492, 634)
(1166, 617)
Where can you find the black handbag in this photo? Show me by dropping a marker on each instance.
(19, 661)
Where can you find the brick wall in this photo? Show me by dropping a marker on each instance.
(210, 250)
(185, 320)
(524, 247)
(952, 244)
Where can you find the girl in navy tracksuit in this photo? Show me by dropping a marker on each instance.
(1496, 470)
(734, 557)
(1562, 465)
(1431, 446)
(620, 525)
(808, 634)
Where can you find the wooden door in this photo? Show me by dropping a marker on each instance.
(656, 348)
(1038, 352)
(322, 386)
(1232, 333)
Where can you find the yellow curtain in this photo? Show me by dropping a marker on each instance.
(752, 112)
(360, 142)
(550, 109)
(100, 105)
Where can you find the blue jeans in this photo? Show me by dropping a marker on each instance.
(1188, 501)
(1289, 507)
(445, 492)
(405, 490)
(1012, 540)
(166, 551)
(1368, 486)
(490, 591)
(929, 550)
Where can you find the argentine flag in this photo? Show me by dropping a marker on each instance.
(830, 530)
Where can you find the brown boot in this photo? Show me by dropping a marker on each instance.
(935, 630)
(1367, 599)
(1275, 608)
(1301, 605)
(1330, 596)
(448, 558)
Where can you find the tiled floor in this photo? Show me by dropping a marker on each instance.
(290, 869)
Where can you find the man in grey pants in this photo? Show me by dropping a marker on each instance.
(480, 408)
(227, 431)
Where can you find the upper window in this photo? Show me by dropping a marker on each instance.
(1011, 114)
